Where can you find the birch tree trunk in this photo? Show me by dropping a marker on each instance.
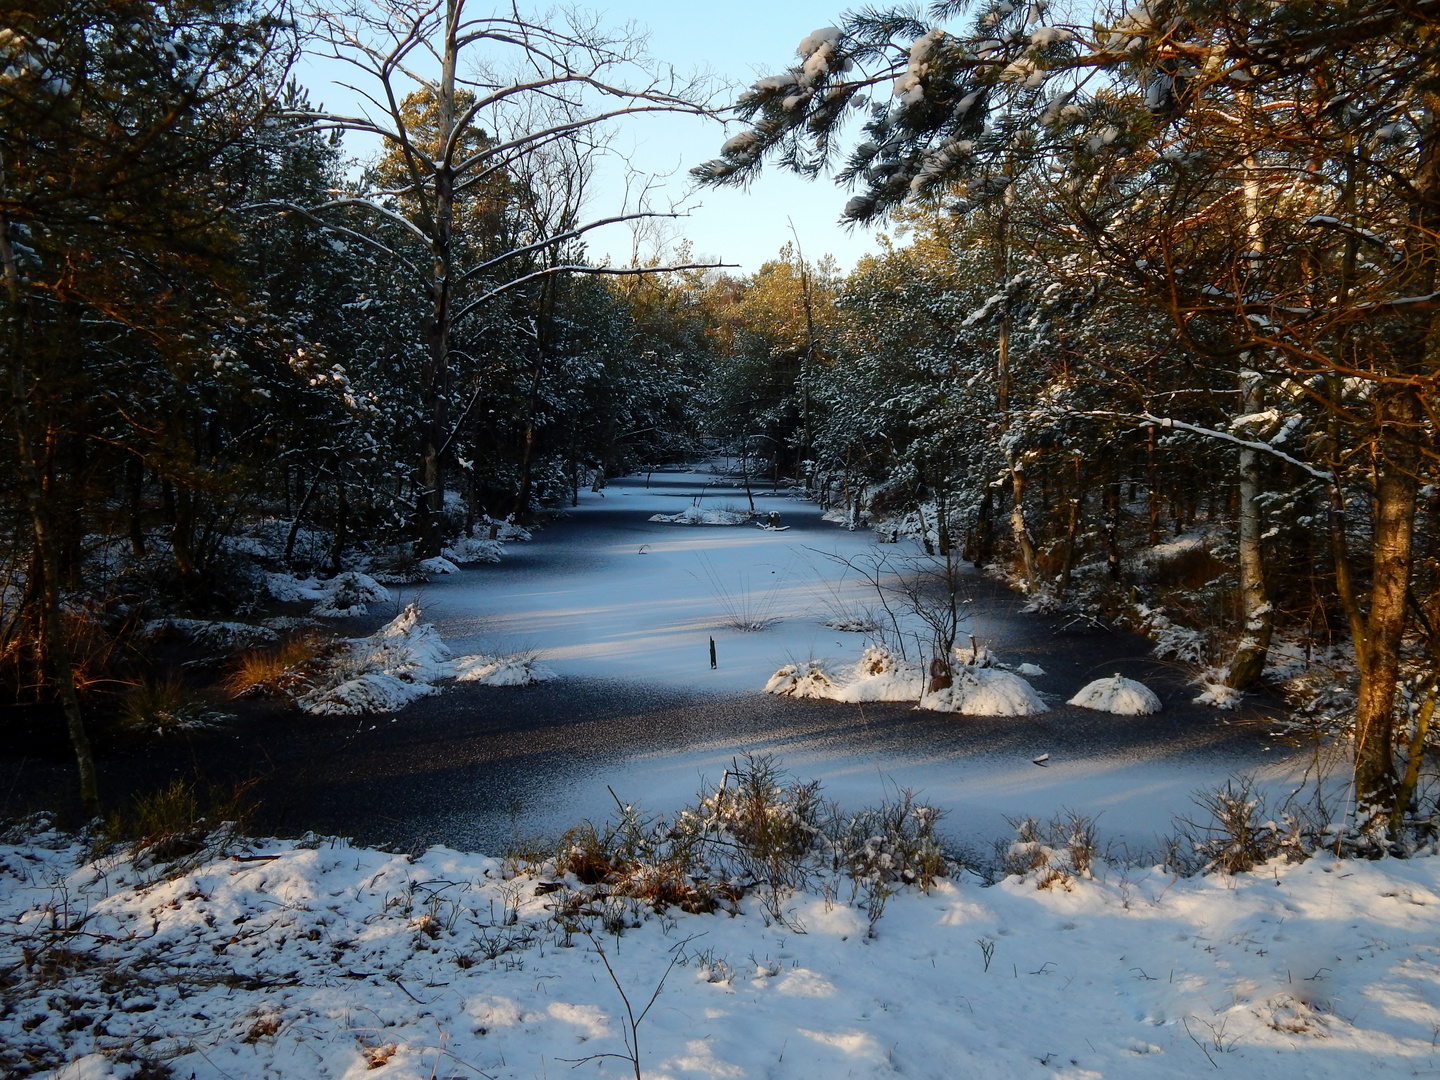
(1248, 662)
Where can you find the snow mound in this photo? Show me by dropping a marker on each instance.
(211, 633)
(385, 671)
(372, 692)
(806, 680)
(1218, 696)
(501, 670)
(698, 515)
(1124, 697)
(1030, 671)
(985, 692)
(881, 676)
(348, 594)
(471, 549)
(438, 565)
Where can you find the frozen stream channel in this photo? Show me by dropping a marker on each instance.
(622, 609)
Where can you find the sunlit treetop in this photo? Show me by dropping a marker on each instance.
(958, 98)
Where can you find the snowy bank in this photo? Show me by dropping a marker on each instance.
(316, 958)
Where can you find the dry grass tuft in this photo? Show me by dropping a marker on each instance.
(284, 670)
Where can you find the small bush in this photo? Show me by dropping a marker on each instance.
(1239, 835)
(1055, 852)
(163, 707)
(177, 820)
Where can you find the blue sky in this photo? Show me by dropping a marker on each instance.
(734, 40)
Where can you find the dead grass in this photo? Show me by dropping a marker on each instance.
(284, 670)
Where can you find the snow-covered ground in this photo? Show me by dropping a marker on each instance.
(322, 960)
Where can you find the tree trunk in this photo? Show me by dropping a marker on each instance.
(135, 482)
(1248, 662)
(1018, 526)
(1379, 654)
(52, 630)
(435, 379)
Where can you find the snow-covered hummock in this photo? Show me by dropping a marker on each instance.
(978, 691)
(437, 564)
(703, 515)
(501, 670)
(386, 671)
(1217, 695)
(881, 676)
(401, 663)
(1119, 695)
(803, 680)
(212, 634)
(471, 549)
(319, 959)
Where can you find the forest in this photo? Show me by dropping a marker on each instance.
(1152, 335)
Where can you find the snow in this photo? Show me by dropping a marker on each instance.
(401, 663)
(384, 672)
(469, 549)
(1124, 697)
(438, 564)
(1217, 695)
(316, 958)
(349, 594)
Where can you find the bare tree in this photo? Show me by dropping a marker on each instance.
(503, 89)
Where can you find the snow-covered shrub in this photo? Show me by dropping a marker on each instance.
(349, 594)
(1052, 853)
(164, 708)
(211, 633)
(289, 589)
(1119, 695)
(1172, 641)
(1239, 834)
(1216, 694)
(384, 672)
